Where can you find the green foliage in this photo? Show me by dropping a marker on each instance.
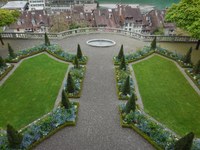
(65, 100)
(46, 40)
(79, 52)
(123, 64)
(70, 84)
(153, 43)
(185, 143)
(126, 88)
(76, 63)
(187, 58)
(197, 68)
(8, 17)
(14, 138)
(186, 16)
(121, 53)
(131, 105)
(73, 26)
(2, 62)
(11, 51)
(159, 31)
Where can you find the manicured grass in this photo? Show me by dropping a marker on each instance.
(168, 96)
(30, 91)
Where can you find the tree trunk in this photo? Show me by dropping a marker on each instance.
(198, 43)
(1, 40)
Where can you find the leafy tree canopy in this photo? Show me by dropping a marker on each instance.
(186, 16)
(8, 16)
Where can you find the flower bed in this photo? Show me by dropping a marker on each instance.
(43, 128)
(54, 50)
(78, 76)
(194, 77)
(5, 70)
(132, 57)
(154, 133)
(157, 135)
(146, 51)
(121, 76)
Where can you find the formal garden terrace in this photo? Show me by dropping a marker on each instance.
(98, 124)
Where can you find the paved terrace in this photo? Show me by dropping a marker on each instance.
(98, 126)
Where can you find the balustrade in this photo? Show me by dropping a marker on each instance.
(64, 34)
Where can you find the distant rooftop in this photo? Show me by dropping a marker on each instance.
(15, 5)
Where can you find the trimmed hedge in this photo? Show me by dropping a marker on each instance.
(6, 72)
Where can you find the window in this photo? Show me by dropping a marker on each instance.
(130, 24)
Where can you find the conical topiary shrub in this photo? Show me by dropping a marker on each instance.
(76, 63)
(126, 87)
(79, 52)
(11, 51)
(70, 84)
(153, 44)
(187, 58)
(121, 52)
(196, 69)
(131, 105)
(46, 39)
(185, 143)
(14, 138)
(65, 100)
(122, 65)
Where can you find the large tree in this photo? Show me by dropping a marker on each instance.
(7, 17)
(186, 16)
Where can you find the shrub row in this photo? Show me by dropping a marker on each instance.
(146, 51)
(43, 128)
(54, 50)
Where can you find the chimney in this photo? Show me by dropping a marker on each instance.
(120, 10)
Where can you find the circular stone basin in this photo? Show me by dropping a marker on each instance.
(101, 42)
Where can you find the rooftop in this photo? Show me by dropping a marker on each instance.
(15, 5)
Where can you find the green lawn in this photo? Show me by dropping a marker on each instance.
(30, 91)
(168, 96)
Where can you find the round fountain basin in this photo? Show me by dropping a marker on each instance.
(101, 42)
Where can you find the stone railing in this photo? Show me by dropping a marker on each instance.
(65, 34)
